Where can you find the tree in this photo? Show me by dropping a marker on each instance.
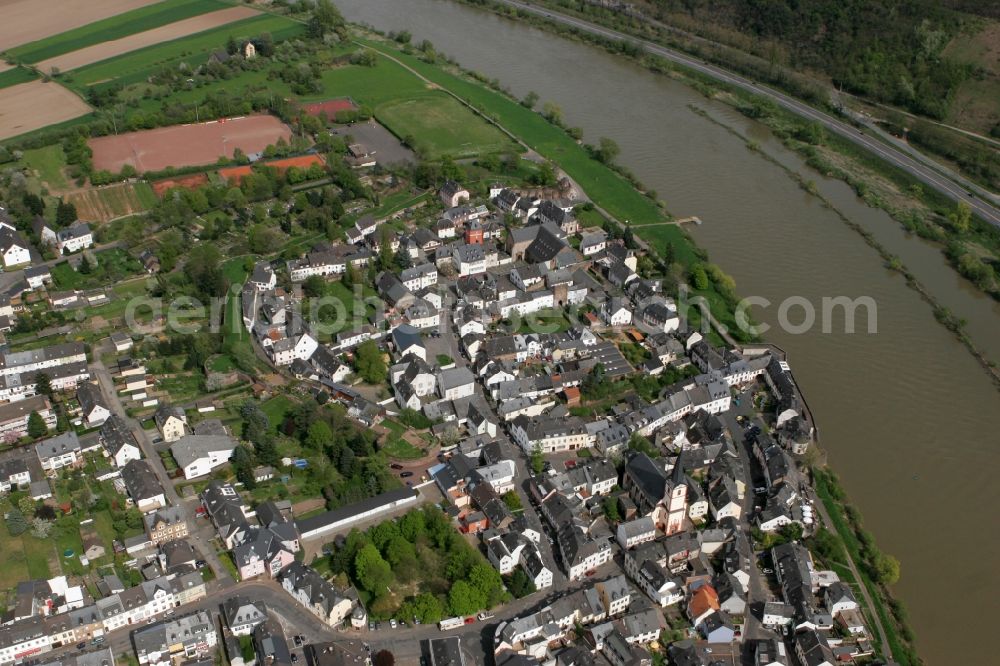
(232, 46)
(463, 599)
(36, 426)
(512, 500)
(537, 460)
(699, 278)
(326, 18)
(610, 506)
(40, 528)
(961, 217)
(16, 524)
(383, 658)
(43, 384)
(314, 286)
(65, 213)
(520, 584)
(885, 569)
(243, 467)
(371, 571)
(369, 362)
(530, 100)
(266, 451)
(607, 150)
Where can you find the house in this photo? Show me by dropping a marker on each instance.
(14, 250)
(615, 594)
(452, 194)
(45, 234)
(14, 471)
(812, 649)
(225, 507)
(118, 441)
(262, 551)
(198, 455)
(270, 645)
(166, 524)
(93, 547)
(37, 276)
(59, 451)
(92, 406)
(615, 312)
(171, 422)
(455, 383)
(263, 278)
(121, 341)
(74, 238)
(406, 340)
(14, 416)
(243, 614)
(143, 487)
(316, 594)
(186, 638)
(635, 532)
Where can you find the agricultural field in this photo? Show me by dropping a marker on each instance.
(26, 21)
(106, 203)
(30, 106)
(442, 126)
(165, 33)
(137, 66)
(114, 28)
(186, 145)
(11, 76)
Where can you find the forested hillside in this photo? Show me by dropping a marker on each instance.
(887, 50)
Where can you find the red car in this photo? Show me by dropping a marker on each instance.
(470, 620)
(396, 466)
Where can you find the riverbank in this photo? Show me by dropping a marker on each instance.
(859, 545)
(971, 246)
(615, 194)
(501, 111)
(941, 313)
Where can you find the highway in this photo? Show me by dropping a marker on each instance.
(956, 190)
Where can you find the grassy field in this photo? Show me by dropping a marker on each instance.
(276, 408)
(442, 126)
(115, 27)
(12, 77)
(113, 265)
(603, 185)
(139, 65)
(49, 163)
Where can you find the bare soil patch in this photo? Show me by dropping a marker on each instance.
(107, 202)
(192, 182)
(26, 21)
(30, 106)
(164, 33)
(187, 145)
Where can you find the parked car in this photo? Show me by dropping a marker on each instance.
(80, 646)
(169, 612)
(485, 615)
(392, 623)
(405, 475)
(371, 625)
(396, 466)
(295, 657)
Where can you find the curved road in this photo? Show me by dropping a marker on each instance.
(897, 157)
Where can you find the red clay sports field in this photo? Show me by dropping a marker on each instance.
(187, 145)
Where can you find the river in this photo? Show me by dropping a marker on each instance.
(901, 412)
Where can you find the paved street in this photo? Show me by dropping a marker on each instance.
(932, 174)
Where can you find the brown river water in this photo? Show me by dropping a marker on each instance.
(902, 413)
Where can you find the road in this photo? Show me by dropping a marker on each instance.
(956, 188)
(200, 530)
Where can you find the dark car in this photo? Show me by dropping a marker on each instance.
(396, 466)
(295, 657)
(405, 475)
(80, 646)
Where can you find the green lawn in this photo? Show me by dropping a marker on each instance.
(136, 66)
(276, 408)
(613, 192)
(49, 163)
(114, 27)
(113, 266)
(401, 449)
(12, 77)
(442, 126)
(234, 332)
